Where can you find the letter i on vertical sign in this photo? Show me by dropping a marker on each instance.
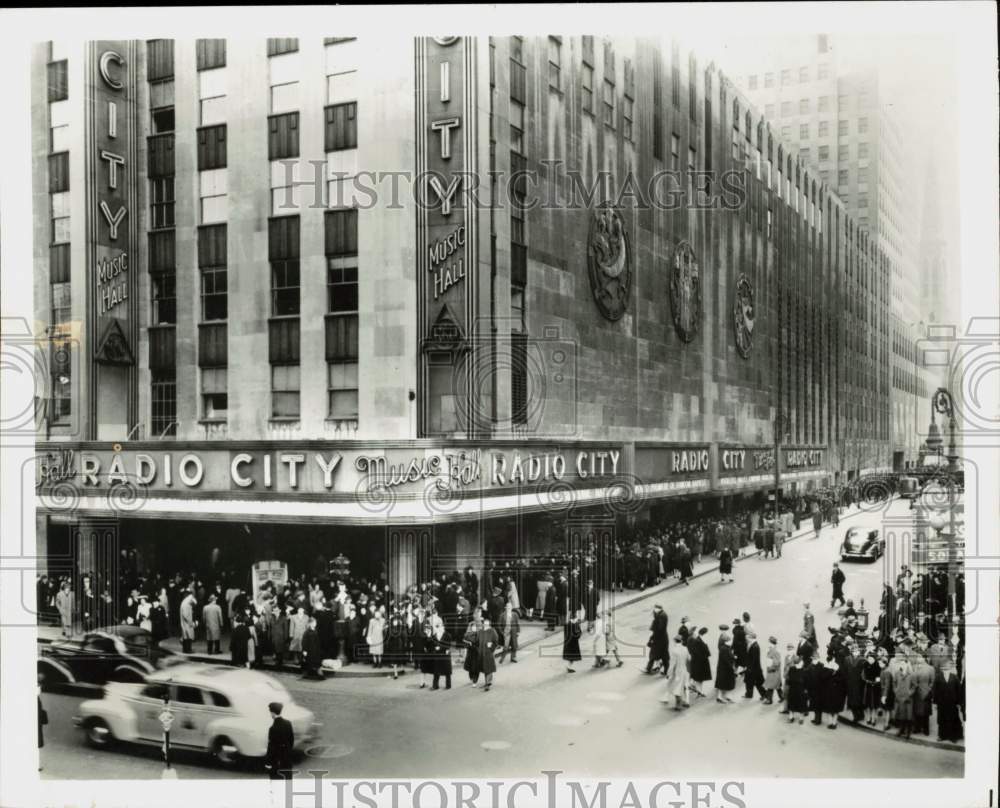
(445, 82)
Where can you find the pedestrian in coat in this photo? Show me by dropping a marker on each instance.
(571, 641)
(657, 643)
(312, 651)
(280, 743)
(487, 642)
(835, 691)
(600, 645)
(297, 629)
(753, 674)
(817, 521)
(772, 672)
(188, 622)
(591, 600)
(837, 579)
(797, 691)
(64, 605)
(856, 684)
(725, 673)
(212, 615)
(425, 653)
(809, 626)
(679, 673)
(923, 694)
(701, 668)
(281, 627)
(739, 644)
(816, 676)
(440, 651)
(903, 688)
(471, 641)
(786, 665)
(948, 696)
(238, 642)
(375, 637)
(684, 562)
(871, 678)
(725, 565)
(542, 587)
(510, 628)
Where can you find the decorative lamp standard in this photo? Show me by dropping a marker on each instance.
(943, 403)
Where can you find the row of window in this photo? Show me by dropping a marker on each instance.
(822, 72)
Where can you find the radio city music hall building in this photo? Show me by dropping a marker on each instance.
(250, 359)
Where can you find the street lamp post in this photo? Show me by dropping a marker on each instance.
(943, 404)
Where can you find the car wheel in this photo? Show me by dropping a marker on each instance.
(225, 751)
(99, 733)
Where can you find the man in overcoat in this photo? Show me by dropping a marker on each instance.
(753, 674)
(212, 615)
(188, 622)
(510, 628)
(487, 641)
(280, 743)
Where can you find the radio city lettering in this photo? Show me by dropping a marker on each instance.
(746, 460)
(536, 468)
(451, 273)
(690, 460)
(800, 458)
(186, 469)
(733, 459)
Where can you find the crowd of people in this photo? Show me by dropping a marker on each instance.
(904, 669)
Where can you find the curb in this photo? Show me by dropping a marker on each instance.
(948, 746)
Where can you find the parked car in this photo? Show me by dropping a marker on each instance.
(862, 542)
(216, 708)
(112, 654)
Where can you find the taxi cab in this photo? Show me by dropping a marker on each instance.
(218, 709)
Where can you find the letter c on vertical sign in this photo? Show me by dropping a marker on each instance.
(106, 58)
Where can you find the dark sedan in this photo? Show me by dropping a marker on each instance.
(114, 654)
(862, 542)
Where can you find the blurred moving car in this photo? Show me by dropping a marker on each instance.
(112, 654)
(862, 542)
(217, 709)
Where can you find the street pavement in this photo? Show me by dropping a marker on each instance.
(598, 723)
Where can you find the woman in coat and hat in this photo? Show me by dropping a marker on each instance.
(701, 668)
(725, 673)
(725, 565)
(657, 643)
(571, 641)
(798, 701)
(375, 637)
(471, 640)
(396, 642)
(835, 691)
(239, 642)
(903, 687)
(772, 669)
(678, 673)
(487, 642)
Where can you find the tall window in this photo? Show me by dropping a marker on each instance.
(769, 79)
(824, 128)
(753, 82)
(214, 393)
(803, 106)
(285, 391)
(786, 77)
(587, 89)
(691, 168)
(164, 297)
(212, 95)
(60, 217)
(627, 116)
(609, 103)
(555, 63)
(162, 202)
(518, 358)
(164, 403)
(803, 74)
(824, 103)
(842, 127)
(786, 109)
(342, 313)
(803, 131)
(675, 153)
(285, 287)
(516, 126)
(862, 126)
(823, 71)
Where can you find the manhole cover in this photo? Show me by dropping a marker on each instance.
(568, 721)
(607, 695)
(596, 709)
(332, 750)
(495, 746)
